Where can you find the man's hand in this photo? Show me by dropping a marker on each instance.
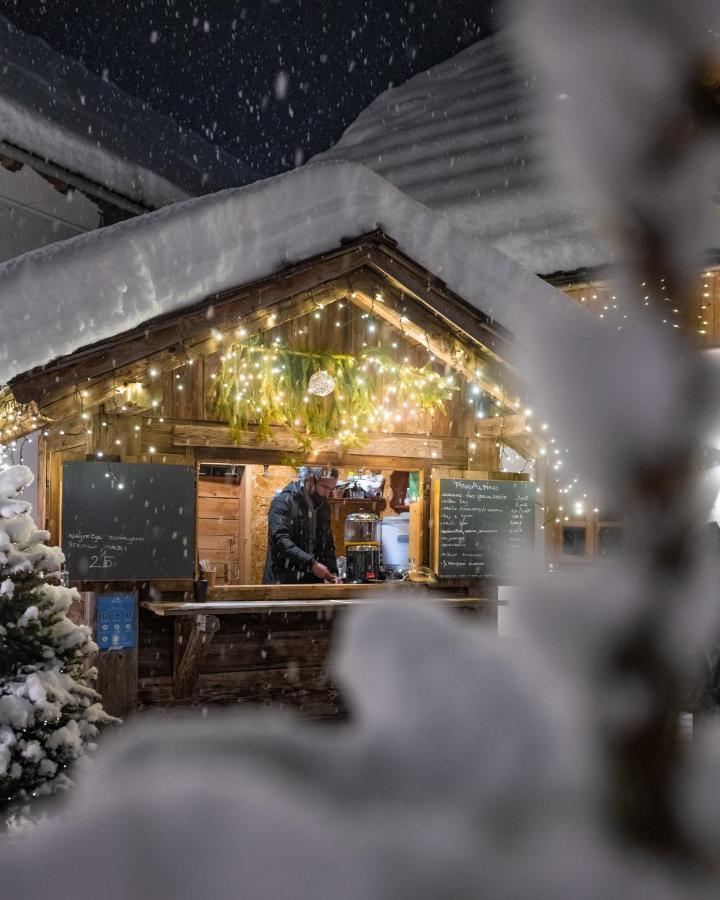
(321, 571)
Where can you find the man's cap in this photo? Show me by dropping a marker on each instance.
(316, 472)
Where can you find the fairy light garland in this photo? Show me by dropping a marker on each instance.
(267, 385)
(603, 300)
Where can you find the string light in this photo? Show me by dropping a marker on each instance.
(601, 300)
(407, 391)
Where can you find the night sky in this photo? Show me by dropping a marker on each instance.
(271, 82)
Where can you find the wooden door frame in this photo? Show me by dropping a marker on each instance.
(244, 507)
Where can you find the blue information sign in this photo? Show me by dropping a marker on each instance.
(116, 620)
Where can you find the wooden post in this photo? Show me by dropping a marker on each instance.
(193, 637)
(117, 681)
(42, 481)
(245, 536)
(487, 588)
(417, 521)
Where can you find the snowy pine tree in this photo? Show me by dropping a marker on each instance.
(49, 714)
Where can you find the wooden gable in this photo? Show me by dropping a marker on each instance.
(126, 373)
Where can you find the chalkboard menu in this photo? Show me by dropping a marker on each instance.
(128, 521)
(482, 526)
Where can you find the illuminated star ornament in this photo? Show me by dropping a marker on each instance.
(321, 384)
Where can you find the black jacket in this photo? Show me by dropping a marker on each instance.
(291, 550)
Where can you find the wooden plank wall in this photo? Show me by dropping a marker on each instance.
(219, 525)
(264, 659)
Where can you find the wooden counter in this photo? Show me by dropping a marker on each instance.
(267, 644)
(241, 607)
(180, 586)
(259, 644)
(239, 599)
(255, 592)
(247, 598)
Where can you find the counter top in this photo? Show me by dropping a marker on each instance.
(242, 607)
(256, 592)
(236, 599)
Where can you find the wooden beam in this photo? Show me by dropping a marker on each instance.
(514, 431)
(398, 446)
(245, 455)
(42, 482)
(528, 445)
(17, 420)
(417, 525)
(434, 293)
(485, 454)
(245, 525)
(500, 426)
(417, 335)
(193, 638)
(423, 313)
(261, 592)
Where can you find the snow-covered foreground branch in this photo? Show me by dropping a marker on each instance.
(466, 772)
(633, 102)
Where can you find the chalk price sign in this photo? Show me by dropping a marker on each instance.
(483, 526)
(101, 551)
(128, 521)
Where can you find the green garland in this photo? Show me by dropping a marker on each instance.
(268, 385)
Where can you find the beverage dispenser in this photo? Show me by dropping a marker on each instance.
(362, 547)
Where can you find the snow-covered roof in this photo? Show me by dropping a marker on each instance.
(53, 107)
(76, 292)
(462, 138)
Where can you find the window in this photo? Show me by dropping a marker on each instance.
(574, 541)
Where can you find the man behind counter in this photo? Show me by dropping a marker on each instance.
(301, 549)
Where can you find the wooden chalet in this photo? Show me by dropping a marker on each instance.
(146, 396)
